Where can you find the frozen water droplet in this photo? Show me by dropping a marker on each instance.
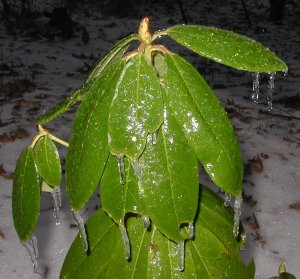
(237, 213)
(154, 137)
(121, 167)
(81, 229)
(125, 238)
(147, 222)
(181, 256)
(270, 91)
(191, 230)
(255, 87)
(32, 248)
(56, 207)
(227, 199)
(286, 72)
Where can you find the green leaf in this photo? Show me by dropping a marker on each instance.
(88, 147)
(103, 235)
(136, 109)
(118, 199)
(153, 255)
(169, 180)
(26, 195)
(204, 123)
(113, 55)
(228, 48)
(65, 105)
(286, 275)
(47, 161)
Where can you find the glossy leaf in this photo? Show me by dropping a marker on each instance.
(88, 147)
(169, 180)
(103, 235)
(136, 109)
(228, 48)
(47, 161)
(113, 55)
(65, 104)
(204, 122)
(118, 199)
(26, 195)
(153, 255)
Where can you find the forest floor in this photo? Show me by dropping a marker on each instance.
(39, 66)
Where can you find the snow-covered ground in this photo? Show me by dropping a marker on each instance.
(37, 71)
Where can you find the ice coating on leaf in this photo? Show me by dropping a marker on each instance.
(228, 48)
(255, 87)
(227, 199)
(136, 109)
(81, 229)
(125, 239)
(204, 123)
(270, 91)
(137, 169)
(32, 248)
(181, 255)
(237, 213)
(121, 167)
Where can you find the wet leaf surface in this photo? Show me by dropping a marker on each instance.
(169, 180)
(204, 123)
(48, 161)
(89, 135)
(26, 195)
(136, 109)
(212, 253)
(227, 48)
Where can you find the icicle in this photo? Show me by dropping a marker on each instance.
(154, 137)
(255, 88)
(191, 230)
(181, 256)
(237, 213)
(270, 91)
(147, 222)
(125, 240)
(285, 73)
(56, 207)
(121, 167)
(227, 198)
(58, 195)
(81, 229)
(32, 248)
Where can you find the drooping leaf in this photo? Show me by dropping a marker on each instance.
(169, 180)
(153, 255)
(26, 195)
(136, 109)
(204, 123)
(118, 199)
(103, 235)
(65, 104)
(47, 161)
(113, 55)
(88, 147)
(228, 48)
